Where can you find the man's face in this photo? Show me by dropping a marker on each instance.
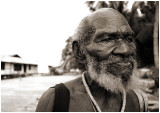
(112, 47)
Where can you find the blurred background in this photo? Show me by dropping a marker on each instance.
(36, 48)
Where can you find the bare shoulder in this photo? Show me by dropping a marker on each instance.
(75, 85)
(46, 101)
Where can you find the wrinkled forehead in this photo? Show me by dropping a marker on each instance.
(109, 20)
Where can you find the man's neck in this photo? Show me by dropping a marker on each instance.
(94, 86)
(104, 98)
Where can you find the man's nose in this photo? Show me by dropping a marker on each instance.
(123, 50)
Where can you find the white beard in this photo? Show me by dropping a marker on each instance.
(107, 80)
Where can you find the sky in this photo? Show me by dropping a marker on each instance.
(38, 29)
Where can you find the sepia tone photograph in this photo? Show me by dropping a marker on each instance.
(79, 56)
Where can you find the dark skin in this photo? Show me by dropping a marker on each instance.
(112, 102)
(113, 36)
(109, 99)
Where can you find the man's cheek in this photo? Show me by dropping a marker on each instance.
(132, 46)
(99, 51)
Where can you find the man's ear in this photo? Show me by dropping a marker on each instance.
(78, 53)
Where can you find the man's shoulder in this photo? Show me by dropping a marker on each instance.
(136, 100)
(46, 101)
(75, 85)
(76, 81)
(142, 98)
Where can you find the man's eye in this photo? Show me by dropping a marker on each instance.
(108, 39)
(129, 39)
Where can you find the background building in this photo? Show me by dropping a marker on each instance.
(14, 65)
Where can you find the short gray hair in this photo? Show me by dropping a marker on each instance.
(83, 33)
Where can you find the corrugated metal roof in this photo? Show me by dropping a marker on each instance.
(17, 60)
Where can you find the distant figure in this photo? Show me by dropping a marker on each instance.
(104, 42)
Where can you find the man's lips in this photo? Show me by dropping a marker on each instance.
(122, 64)
(122, 68)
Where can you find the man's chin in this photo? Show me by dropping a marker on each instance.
(113, 83)
(113, 77)
(122, 72)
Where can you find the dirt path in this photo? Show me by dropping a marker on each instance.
(21, 95)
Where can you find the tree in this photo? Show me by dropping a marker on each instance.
(155, 36)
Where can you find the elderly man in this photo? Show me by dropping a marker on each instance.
(104, 42)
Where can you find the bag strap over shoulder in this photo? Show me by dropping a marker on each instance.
(62, 98)
(143, 100)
